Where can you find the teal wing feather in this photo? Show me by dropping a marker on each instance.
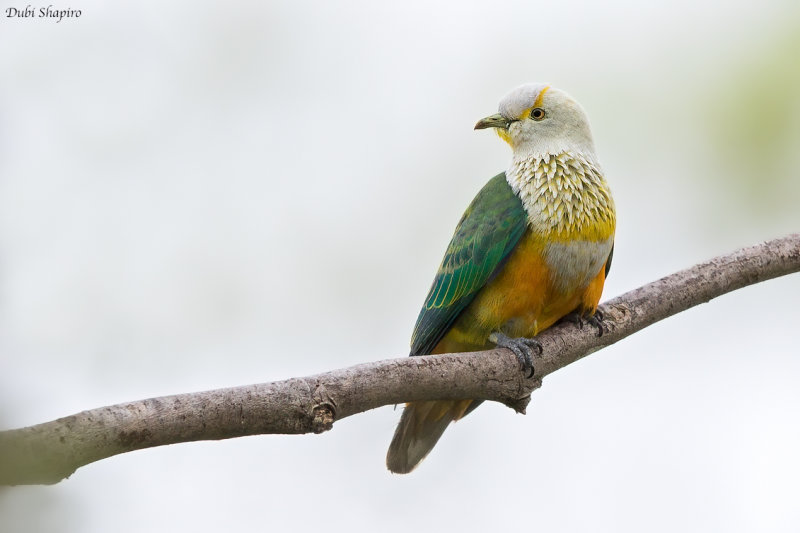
(490, 228)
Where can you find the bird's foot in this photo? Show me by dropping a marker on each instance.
(595, 320)
(574, 318)
(522, 347)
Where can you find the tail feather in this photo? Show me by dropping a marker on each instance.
(420, 428)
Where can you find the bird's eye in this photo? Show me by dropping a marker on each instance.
(537, 113)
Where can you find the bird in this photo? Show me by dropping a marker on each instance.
(532, 248)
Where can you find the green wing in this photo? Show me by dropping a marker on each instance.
(490, 228)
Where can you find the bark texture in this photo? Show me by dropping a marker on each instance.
(49, 452)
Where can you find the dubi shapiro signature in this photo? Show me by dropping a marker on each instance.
(50, 12)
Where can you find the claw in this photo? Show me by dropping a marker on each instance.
(522, 347)
(596, 320)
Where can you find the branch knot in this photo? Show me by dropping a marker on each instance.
(323, 412)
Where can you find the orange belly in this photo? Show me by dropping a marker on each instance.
(523, 299)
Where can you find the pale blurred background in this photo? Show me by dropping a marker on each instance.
(196, 195)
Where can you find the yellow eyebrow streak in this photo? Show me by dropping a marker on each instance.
(540, 97)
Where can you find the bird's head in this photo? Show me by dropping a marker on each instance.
(539, 119)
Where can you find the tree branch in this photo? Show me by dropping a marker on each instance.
(49, 452)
